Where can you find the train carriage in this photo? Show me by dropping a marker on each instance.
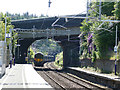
(40, 59)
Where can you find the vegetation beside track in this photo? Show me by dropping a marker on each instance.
(59, 60)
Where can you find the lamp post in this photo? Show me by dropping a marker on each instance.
(5, 27)
(115, 50)
(10, 45)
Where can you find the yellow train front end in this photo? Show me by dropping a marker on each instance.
(38, 59)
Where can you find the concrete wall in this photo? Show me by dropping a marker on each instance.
(106, 65)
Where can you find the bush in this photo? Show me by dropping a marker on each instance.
(59, 59)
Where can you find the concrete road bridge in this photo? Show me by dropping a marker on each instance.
(64, 31)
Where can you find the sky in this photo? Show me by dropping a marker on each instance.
(38, 7)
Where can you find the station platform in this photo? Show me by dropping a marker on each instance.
(110, 76)
(108, 80)
(23, 76)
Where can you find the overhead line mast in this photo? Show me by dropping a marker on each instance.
(49, 3)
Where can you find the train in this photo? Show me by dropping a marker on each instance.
(40, 59)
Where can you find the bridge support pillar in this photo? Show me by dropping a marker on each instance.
(70, 53)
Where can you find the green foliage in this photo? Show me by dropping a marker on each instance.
(8, 27)
(31, 53)
(59, 59)
(94, 56)
(2, 26)
(14, 41)
(47, 47)
(23, 16)
(116, 10)
(86, 26)
(103, 37)
(107, 8)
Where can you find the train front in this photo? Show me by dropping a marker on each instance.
(38, 59)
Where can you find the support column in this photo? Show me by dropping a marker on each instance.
(70, 53)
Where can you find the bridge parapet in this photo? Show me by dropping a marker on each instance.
(37, 33)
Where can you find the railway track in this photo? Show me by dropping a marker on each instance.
(61, 87)
(43, 72)
(68, 81)
(79, 81)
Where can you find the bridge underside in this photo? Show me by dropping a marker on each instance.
(70, 49)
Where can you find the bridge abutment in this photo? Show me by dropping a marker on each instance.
(70, 53)
(21, 51)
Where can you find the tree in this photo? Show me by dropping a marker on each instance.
(102, 41)
(107, 8)
(116, 10)
(47, 47)
(17, 16)
(9, 26)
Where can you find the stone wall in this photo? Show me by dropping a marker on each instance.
(105, 65)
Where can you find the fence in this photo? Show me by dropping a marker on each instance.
(3, 54)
